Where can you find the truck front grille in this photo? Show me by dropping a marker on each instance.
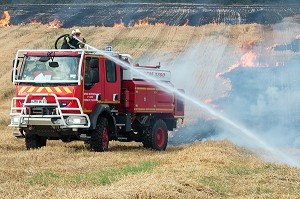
(42, 111)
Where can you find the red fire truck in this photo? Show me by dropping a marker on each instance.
(85, 95)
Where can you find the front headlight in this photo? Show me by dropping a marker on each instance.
(15, 119)
(76, 120)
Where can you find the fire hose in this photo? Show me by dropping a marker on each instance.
(63, 36)
(87, 46)
(59, 38)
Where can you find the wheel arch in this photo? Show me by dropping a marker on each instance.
(171, 123)
(168, 120)
(102, 110)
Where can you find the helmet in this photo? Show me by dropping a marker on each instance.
(75, 31)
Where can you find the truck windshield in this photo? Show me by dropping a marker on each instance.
(40, 69)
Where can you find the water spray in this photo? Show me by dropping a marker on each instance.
(277, 154)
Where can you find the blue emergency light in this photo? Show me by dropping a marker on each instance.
(108, 48)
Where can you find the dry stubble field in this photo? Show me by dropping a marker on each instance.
(212, 169)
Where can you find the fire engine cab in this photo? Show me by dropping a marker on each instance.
(85, 95)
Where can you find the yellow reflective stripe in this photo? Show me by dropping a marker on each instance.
(108, 102)
(57, 89)
(39, 89)
(145, 88)
(144, 109)
(31, 89)
(22, 89)
(68, 39)
(67, 90)
(164, 109)
(48, 89)
(153, 109)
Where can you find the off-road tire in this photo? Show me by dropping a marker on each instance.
(100, 136)
(158, 136)
(33, 141)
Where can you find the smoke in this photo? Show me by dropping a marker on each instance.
(263, 99)
(266, 100)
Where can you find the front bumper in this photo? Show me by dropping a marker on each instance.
(63, 117)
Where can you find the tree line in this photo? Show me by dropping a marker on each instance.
(222, 2)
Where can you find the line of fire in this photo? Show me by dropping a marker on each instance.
(5, 22)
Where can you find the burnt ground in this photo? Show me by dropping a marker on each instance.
(265, 97)
(171, 14)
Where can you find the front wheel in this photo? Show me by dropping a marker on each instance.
(100, 136)
(158, 136)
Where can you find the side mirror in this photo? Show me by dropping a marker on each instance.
(16, 71)
(14, 61)
(53, 64)
(12, 76)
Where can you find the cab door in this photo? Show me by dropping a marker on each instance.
(112, 82)
(93, 83)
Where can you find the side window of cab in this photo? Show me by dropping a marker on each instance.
(91, 73)
(111, 73)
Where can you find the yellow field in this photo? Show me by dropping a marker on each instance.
(202, 170)
(212, 169)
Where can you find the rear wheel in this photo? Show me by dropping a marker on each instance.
(100, 136)
(33, 141)
(158, 136)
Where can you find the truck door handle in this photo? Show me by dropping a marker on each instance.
(115, 97)
(98, 97)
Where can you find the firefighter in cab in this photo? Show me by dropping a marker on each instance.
(40, 72)
(70, 41)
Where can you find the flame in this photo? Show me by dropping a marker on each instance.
(145, 22)
(213, 23)
(142, 22)
(5, 19)
(120, 25)
(35, 22)
(298, 36)
(247, 46)
(160, 24)
(186, 22)
(248, 59)
(55, 24)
